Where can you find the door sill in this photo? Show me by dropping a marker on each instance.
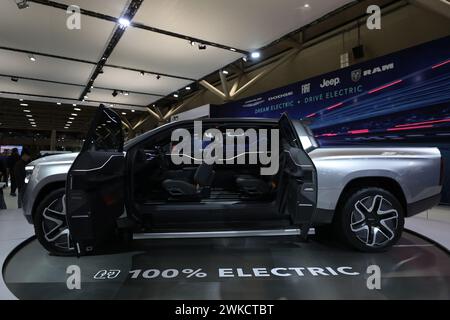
(219, 234)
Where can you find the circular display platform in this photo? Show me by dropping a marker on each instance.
(233, 268)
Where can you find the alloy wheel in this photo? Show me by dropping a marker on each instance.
(374, 221)
(54, 225)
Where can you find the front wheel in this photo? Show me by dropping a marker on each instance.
(50, 224)
(371, 220)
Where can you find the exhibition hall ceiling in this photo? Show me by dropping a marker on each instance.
(168, 46)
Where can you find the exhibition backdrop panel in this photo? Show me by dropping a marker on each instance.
(400, 98)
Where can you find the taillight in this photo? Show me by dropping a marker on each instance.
(441, 178)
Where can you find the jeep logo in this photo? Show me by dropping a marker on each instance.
(330, 82)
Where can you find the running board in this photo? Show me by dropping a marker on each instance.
(219, 234)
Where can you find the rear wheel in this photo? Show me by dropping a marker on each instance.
(371, 220)
(50, 224)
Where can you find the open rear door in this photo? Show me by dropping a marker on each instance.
(95, 183)
(299, 174)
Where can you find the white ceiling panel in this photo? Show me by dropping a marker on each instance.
(113, 8)
(40, 88)
(133, 99)
(19, 64)
(243, 24)
(155, 52)
(121, 79)
(43, 29)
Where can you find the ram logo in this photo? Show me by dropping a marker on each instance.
(356, 75)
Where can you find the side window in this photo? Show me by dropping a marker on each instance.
(106, 133)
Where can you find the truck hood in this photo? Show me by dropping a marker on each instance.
(59, 158)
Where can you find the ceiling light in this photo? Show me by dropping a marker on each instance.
(74, 104)
(192, 43)
(255, 55)
(26, 110)
(142, 73)
(124, 22)
(225, 72)
(29, 115)
(58, 103)
(306, 5)
(69, 122)
(33, 125)
(32, 57)
(115, 93)
(76, 109)
(71, 118)
(245, 59)
(24, 105)
(22, 4)
(66, 127)
(124, 113)
(175, 95)
(133, 110)
(86, 97)
(188, 88)
(126, 93)
(233, 49)
(73, 114)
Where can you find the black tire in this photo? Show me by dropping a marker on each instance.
(371, 219)
(46, 219)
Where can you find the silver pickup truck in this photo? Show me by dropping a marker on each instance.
(78, 201)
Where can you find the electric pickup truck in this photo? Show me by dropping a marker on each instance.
(78, 202)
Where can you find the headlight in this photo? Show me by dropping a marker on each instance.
(28, 173)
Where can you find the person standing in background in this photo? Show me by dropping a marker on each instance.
(10, 163)
(3, 168)
(2, 199)
(19, 175)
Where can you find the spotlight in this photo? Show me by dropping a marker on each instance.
(225, 72)
(32, 57)
(192, 43)
(124, 22)
(175, 95)
(22, 4)
(202, 47)
(188, 88)
(133, 110)
(233, 49)
(115, 93)
(158, 77)
(142, 73)
(255, 55)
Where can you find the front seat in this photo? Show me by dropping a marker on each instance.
(253, 186)
(200, 188)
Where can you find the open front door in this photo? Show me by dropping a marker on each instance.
(95, 183)
(299, 174)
